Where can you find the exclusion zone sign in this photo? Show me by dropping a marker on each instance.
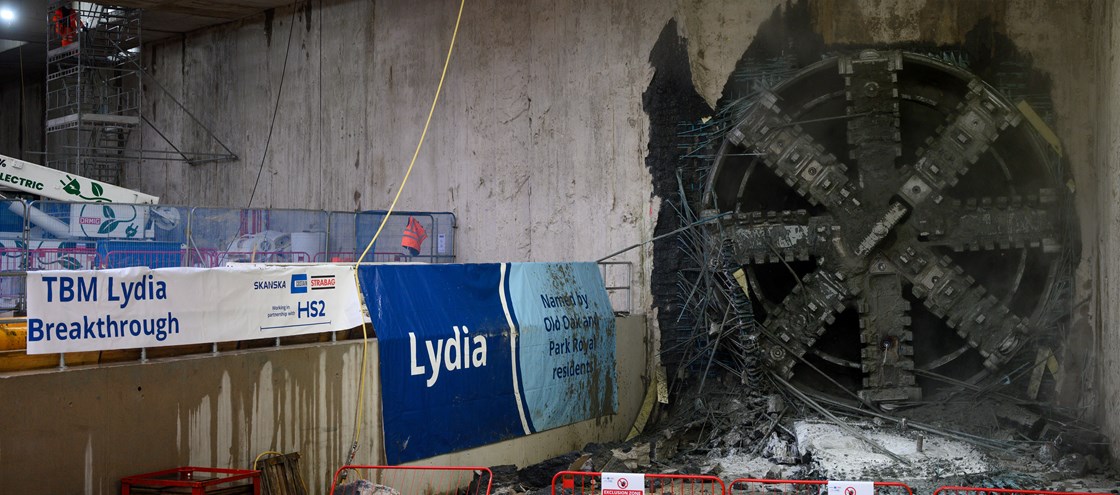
(623, 484)
(851, 487)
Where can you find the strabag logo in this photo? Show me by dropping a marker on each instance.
(322, 282)
(299, 283)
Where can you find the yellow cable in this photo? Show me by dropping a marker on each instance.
(262, 454)
(357, 284)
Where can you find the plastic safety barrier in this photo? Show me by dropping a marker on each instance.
(753, 486)
(351, 256)
(969, 490)
(61, 259)
(263, 257)
(584, 482)
(13, 259)
(417, 480)
(135, 257)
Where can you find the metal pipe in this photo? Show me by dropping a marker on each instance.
(662, 236)
(844, 426)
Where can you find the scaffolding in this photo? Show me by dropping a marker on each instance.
(93, 88)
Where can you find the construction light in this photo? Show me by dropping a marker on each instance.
(7, 15)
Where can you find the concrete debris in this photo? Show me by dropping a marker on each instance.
(1047, 453)
(774, 433)
(1073, 464)
(636, 455)
(775, 404)
(583, 463)
(781, 450)
(666, 448)
(505, 480)
(834, 451)
(540, 474)
(1018, 417)
(365, 487)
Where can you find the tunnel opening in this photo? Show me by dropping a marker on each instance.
(905, 235)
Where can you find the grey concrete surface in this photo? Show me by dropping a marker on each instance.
(82, 429)
(1106, 283)
(537, 143)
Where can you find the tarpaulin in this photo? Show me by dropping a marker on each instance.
(476, 353)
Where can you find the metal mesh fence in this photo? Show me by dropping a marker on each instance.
(437, 247)
(54, 235)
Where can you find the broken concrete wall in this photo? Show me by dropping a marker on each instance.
(1050, 40)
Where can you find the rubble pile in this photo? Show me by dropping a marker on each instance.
(781, 432)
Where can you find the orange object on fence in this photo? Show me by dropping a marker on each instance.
(581, 482)
(968, 490)
(413, 237)
(409, 480)
(752, 486)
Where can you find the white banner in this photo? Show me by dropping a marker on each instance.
(93, 310)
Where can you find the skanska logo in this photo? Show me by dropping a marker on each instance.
(269, 284)
(299, 283)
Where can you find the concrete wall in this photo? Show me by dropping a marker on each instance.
(537, 144)
(539, 140)
(1107, 194)
(82, 429)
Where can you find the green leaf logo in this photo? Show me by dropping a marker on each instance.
(69, 263)
(107, 227)
(65, 262)
(75, 188)
(107, 212)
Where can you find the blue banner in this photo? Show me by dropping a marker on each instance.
(474, 354)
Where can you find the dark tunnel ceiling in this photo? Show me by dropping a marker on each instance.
(161, 19)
